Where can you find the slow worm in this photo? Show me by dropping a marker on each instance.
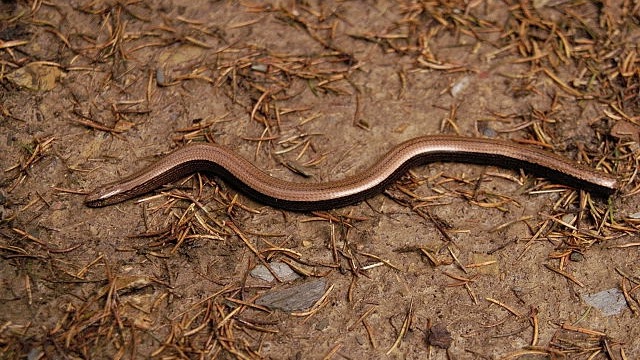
(303, 196)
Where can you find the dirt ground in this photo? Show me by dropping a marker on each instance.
(454, 261)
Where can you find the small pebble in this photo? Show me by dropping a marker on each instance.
(282, 270)
(160, 78)
(609, 302)
(459, 86)
(295, 298)
(439, 336)
(259, 67)
(569, 218)
(576, 256)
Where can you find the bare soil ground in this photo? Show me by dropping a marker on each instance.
(454, 261)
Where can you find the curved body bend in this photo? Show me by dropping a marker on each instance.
(302, 196)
